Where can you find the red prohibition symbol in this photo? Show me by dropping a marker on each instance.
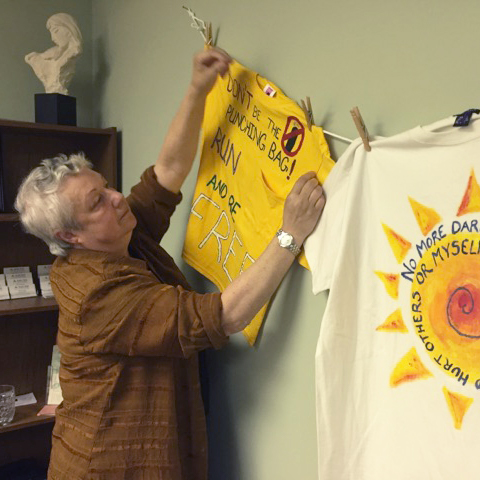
(293, 136)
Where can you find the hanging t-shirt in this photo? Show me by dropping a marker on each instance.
(397, 360)
(256, 144)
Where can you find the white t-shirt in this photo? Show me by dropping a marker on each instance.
(398, 356)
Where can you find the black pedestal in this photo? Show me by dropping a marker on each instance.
(55, 108)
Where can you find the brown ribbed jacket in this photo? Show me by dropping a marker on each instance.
(129, 330)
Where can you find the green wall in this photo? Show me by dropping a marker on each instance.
(402, 63)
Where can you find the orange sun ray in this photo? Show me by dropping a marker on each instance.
(409, 368)
(458, 405)
(391, 282)
(471, 198)
(426, 217)
(393, 323)
(399, 245)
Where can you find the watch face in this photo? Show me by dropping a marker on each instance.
(285, 239)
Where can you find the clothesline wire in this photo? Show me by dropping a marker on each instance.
(338, 137)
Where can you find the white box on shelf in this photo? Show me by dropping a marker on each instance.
(43, 270)
(16, 270)
(22, 291)
(22, 294)
(4, 293)
(26, 399)
(18, 281)
(45, 286)
(17, 276)
(44, 281)
(2, 280)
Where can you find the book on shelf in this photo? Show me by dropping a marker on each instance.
(54, 392)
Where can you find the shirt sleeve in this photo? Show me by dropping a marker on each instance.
(152, 205)
(322, 246)
(136, 315)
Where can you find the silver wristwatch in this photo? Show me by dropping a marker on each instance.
(285, 240)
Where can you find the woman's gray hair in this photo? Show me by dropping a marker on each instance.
(43, 210)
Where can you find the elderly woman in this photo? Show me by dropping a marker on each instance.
(55, 67)
(130, 326)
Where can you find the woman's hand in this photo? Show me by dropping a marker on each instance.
(206, 66)
(303, 207)
(180, 146)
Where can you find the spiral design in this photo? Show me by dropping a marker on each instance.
(463, 311)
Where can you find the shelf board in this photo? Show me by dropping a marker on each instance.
(29, 127)
(9, 217)
(27, 305)
(26, 417)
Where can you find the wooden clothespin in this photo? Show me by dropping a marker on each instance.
(310, 110)
(362, 129)
(208, 34)
(307, 110)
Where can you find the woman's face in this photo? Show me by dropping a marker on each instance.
(60, 35)
(104, 214)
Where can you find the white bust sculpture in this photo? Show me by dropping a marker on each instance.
(55, 67)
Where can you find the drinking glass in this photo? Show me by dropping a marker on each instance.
(7, 404)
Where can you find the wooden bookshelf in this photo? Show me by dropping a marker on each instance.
(9, 217)
(26, 416)
(27, 305)
(28, 326)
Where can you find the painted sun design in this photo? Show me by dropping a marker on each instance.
(441, 274)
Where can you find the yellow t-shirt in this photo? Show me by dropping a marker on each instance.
(255, 146)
